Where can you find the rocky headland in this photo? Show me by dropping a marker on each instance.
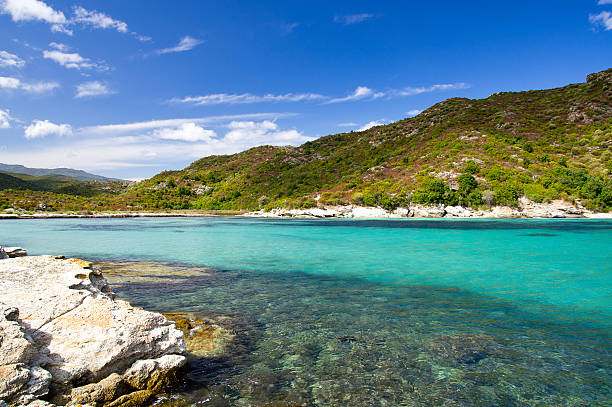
(65, 339)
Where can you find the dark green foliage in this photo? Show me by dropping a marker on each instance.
(435, 192)
(471, 167)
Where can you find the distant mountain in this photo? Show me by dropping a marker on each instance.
(78, 175)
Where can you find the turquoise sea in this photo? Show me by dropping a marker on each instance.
(373, 312)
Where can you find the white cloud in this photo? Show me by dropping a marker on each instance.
(9, 83)
(185, 132)
(185, 44)
(371, 124)
(73, 60)
(35, 87)
(42, 128)
(59, 46)
(353, 18)
(110, 129)
(172, 142)
(409, 91)
(247, 98)
(96, 19)
(348, 124)
(10, 60)
(414, 112)
(91, 89)
(5, 119)
(142, 38)
(28, 10)
(61, 28)
(603, 19)
(362, 92)
(247, 134)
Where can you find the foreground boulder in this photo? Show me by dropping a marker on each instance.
(65, 338)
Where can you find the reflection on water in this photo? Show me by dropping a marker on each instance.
(306, 340)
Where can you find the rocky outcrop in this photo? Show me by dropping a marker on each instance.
(62, 331)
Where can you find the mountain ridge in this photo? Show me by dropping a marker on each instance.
(79, 175)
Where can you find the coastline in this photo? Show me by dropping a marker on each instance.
(526, 209)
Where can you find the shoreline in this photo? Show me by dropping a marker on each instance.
(526, 209)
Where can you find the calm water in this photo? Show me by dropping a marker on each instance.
(374, 312)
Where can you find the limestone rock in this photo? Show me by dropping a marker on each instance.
(154, 374)
(422, 211)
(15, 346)
(13, 380)
(135, 399)
(82, 334)
(102, 392)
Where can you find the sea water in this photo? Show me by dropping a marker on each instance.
(374, 312)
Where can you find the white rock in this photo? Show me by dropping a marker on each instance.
(80, 331)
(423, 211)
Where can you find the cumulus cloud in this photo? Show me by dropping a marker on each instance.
(92, 89)
(414, 112)
(29, 10)
(10, 60)
(185, 132)
(37, 10)
(73, 60)
(97, 19)
(173, 142)
(362, 92)
(349, 19)
(5, 119)
(247, 98)
(7, 82)
(43, 128)
(603, 19)
(186, 43)
(371, 124)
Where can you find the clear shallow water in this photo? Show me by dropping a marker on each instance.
(364, 313)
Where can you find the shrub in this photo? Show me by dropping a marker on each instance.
(357, 198)
(471, 168)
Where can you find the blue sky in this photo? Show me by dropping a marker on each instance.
(130, 88)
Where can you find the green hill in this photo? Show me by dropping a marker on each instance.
(545, 144)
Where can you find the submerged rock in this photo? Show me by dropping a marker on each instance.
(204, 337)
(69, 333)
(464, 348)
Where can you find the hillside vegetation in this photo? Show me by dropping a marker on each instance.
(545, 144)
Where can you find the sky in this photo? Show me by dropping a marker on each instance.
(130, 88)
